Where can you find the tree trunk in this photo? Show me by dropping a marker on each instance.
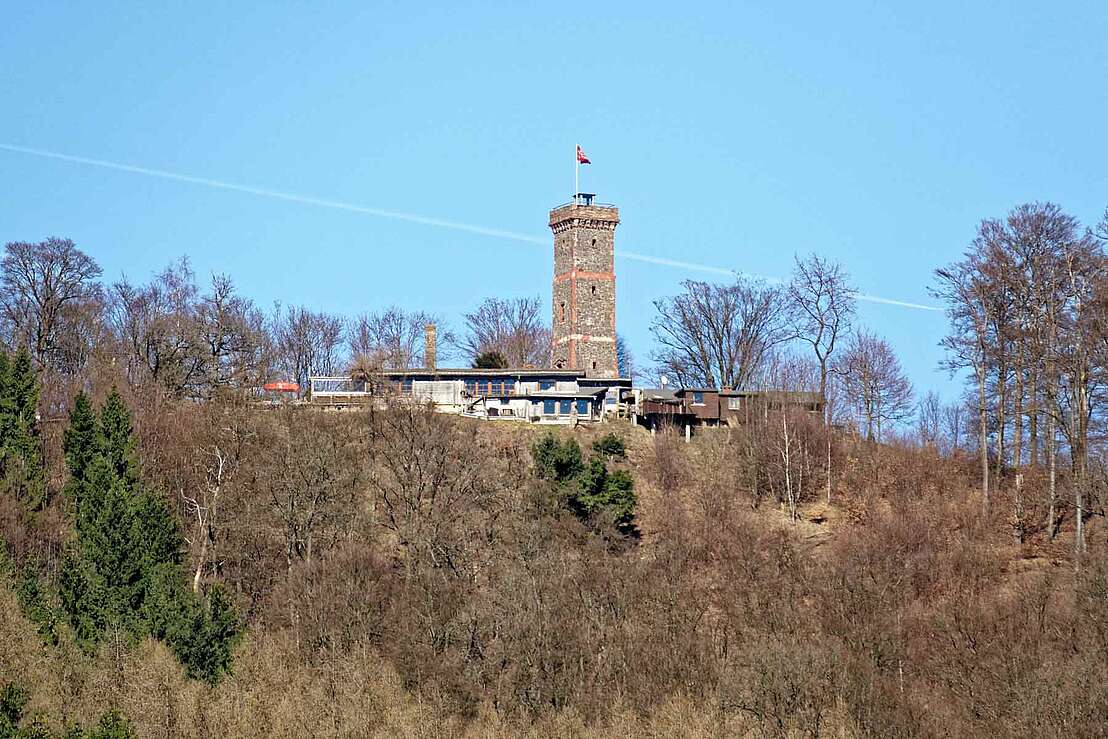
(1001, 416)
(1052, 461)
(983, 441)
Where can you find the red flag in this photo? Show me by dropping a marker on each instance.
(581, 158)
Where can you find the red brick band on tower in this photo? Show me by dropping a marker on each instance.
(584, 288)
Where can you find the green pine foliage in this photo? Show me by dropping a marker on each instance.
(14, 725)
(36, 605)
(611, 446)
(555, 460)
(79, 440)
(124, 569)
(13, 701)
(591, 490)
(112, 725)
(21, 466)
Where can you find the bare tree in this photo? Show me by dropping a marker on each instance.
(391, 339)
(874, 381)
(718, 335)
(47, 292)
(223, 437)
(967, 344)
(233, 339)
(822, 303)
(1024, 314)
(514, 327)
(427, 483)
(625, 360)
(307, 343)
(158, 329)
(929, 420)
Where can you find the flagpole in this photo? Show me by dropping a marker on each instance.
(576, 172)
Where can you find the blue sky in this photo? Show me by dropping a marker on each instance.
(731, 135)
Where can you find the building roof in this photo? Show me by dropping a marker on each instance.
(794, 396)
(518, 372)
(475, 372)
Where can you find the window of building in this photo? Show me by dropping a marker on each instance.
(593, 289)
(563, 312)
(594, 365)
(548, 407)
(594, 242)
(494, 412)
(582, 407)
(546, 384)
(507, 412)
(565, 407)
(698, 398)
(734, 404)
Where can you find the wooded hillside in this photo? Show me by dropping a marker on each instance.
(404, 572)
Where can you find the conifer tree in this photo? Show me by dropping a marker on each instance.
(20, 454)
(7, 402)
(80, 438)
(125, 570)
(117, 438)
(588, 489)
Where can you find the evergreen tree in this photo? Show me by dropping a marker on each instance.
(24, 388)
(117, 437)
(113, 725)
(610, 446)
(13, 699)
(81, 438)
(35, 604)
(84, 597)
(21, 467)
(557, 461)
(588, 489)
(7, 401)
(204, 638)
(610, 493)
(125, 569)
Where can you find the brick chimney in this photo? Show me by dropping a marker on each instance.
(429, 346)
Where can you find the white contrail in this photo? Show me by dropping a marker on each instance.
(398, 215)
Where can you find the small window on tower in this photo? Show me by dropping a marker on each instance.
(594, 289)
(563, 312)
(594, 365)
(594, 242)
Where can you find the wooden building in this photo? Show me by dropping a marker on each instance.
(705, 406)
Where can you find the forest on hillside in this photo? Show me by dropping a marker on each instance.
(182, 561)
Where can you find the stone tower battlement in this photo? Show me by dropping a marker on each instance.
(584, 292)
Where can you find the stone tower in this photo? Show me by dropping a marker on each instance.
(584, 320)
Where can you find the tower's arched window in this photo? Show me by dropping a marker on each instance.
(563, 312)
(594, 365)
(594, 242)
(594, 289)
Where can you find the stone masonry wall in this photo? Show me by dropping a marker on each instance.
(584, 290)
